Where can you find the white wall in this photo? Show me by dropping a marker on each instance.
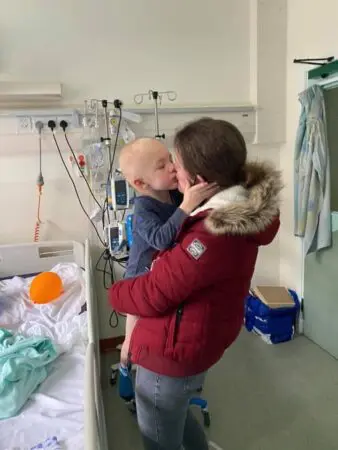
(312, 32)
(268, 20)
(118, 48)
(60, 213)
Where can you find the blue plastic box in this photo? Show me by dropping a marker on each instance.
(275, 325)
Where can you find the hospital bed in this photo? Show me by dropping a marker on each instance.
(76, 372)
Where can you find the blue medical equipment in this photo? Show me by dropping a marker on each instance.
(119, 192)
(129, 229)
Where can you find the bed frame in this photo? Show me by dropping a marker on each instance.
(30, 259)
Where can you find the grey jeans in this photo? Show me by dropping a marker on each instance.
(163, 414)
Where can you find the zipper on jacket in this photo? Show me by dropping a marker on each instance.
(178, 318)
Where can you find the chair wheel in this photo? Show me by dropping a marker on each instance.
(131, 406)
(206, 418)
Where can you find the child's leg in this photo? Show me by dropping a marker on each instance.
(126, 389)
(163, 411)
(130, 324)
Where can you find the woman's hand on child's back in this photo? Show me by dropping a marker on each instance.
(195, 195)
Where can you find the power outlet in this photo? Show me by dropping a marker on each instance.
(43, 120)
(24, 125)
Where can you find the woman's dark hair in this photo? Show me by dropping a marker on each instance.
(213, 149)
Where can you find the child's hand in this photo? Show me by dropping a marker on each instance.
(195, 195)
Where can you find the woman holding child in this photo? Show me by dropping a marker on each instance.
(191, 303)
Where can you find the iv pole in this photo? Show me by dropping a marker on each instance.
(157, 97)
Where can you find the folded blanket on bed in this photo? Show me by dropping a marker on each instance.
(23, 366)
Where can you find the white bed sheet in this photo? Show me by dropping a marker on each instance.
(57, 406)
(55, 409)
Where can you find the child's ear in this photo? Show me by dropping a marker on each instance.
(140, 184)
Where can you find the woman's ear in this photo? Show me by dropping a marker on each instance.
(199, 179)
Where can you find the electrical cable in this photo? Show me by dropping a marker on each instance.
(38, 220)
(51, 125)
(105, 273)
(105, 254)
(63, 126)
(114, 316)
(40, 183)
(99, 260)
(119, 263)
(123, 215)
(103, 210)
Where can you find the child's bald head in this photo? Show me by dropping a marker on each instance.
(146, 161)
(134, 157)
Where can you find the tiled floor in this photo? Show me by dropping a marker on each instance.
(261, 397)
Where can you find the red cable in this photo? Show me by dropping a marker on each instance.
(38, 220)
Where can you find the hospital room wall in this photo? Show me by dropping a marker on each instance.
(115, 49)
(312, 32)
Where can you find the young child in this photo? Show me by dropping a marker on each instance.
(159, 209)
(191, 303)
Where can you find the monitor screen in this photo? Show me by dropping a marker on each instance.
(121, 192)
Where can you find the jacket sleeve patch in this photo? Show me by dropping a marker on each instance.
(196, 249)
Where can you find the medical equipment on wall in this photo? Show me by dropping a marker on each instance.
(99, 152)
(98, 157)
(40, 183)
(119, 191)
(157, 98)
(116, 237)
(101, 162)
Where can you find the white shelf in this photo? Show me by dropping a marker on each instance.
(22, 93)
(195, 109)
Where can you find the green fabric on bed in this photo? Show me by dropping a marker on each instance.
(23, 366)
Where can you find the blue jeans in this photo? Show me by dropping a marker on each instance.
(163, 414)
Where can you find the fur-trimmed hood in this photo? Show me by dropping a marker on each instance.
(248, 208)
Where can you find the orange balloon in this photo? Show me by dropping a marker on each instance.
(45, 287)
